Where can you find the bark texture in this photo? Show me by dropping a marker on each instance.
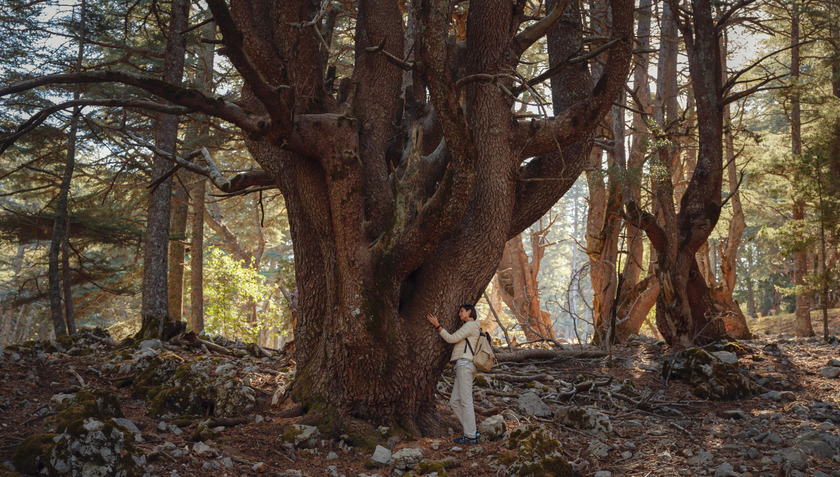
(155, 255)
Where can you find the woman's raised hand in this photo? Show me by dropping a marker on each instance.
(433, 320)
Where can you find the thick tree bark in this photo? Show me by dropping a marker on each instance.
(155, 257)
(641, 140)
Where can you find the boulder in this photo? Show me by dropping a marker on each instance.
(531, 405)
(830, 372)
(492, 428)
(381, 457)
(407, 458)
(586, 418)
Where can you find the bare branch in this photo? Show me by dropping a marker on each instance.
(211, 171)
(189, 98)
(563, 64)
(731, 81)
(38, 118)
(528, 36)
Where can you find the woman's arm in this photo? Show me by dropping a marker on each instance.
(469, 329)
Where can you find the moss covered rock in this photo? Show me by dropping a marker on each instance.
(710, 376)
(534, 451)
(88, 441)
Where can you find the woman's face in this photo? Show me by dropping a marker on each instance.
(464, 314)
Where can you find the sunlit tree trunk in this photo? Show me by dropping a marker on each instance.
(517, 276)
(730, 311)
(685, 312)
(802, 324)
(198, 191)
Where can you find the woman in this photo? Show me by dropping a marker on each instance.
(465, 340)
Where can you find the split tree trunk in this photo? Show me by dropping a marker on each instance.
(519, 286)
(685, 313)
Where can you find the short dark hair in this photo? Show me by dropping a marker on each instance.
(472, 311)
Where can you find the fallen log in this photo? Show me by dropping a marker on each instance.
(521, 355)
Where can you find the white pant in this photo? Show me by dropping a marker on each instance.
(462, 399)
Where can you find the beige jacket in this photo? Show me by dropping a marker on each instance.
(469, 330)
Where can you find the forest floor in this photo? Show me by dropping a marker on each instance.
(643, 423)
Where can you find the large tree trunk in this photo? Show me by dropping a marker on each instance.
(685, 313)
(359, 298)
(155, 307)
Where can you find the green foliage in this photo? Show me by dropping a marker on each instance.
(233, 291)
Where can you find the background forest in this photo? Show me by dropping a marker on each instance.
(76, 172)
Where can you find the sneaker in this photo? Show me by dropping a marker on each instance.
(466, 440)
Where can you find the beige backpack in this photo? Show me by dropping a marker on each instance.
(483, 356)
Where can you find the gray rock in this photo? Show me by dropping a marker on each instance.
(598, 448)
(129, 424)
(772, 438)
(603, 473)
(200, 448)
(232, 397)
(771, 395)
(492, 428)
(734, 414)
(753, 453)
(725, 470)
(586, 418)
(830, 372)
(794, 458)
(332, 456)
(531, 405)
(702, 458)
(812, 443)
(381, 456)
(305, 436)
(151, 344)
(833, 362)
(227, 462)
(407, 458)
(61, 397)
(474, 451)
(259, 467)
(726, 356)
(332, 471)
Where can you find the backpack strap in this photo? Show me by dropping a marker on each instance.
(467, 342)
